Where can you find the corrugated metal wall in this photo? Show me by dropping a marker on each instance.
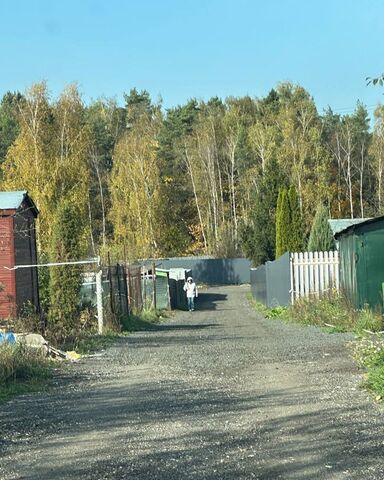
(270, 283)
(208, 270)
(347, 251)
(362, 264)
(278, 282)
(259, 284)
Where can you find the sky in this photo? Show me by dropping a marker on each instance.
(195, 48)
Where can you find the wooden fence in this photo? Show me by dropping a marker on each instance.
(313, 273)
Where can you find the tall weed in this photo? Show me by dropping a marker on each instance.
(22, 370)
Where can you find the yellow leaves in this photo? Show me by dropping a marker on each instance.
(49, 157)
(135, 189)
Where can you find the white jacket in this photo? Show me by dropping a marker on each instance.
(191, 289)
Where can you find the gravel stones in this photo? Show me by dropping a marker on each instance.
(218, 393)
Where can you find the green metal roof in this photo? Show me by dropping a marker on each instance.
(357, 225)
(339, 224)
(13, 200)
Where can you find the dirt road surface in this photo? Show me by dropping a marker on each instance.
(219, 393)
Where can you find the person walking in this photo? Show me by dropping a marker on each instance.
(191, 291)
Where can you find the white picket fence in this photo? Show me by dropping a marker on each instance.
(314, 273)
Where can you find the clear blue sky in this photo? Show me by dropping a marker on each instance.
(195, 48)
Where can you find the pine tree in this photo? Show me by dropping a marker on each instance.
(65, 281)
(283, 223)
(278, 223)
(259, 236)
(321, 238)
(296, 234)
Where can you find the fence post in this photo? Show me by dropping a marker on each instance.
(99, 297)
(292, 289)
(154, 284)
(111, 298)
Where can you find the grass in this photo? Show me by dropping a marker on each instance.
(94, 343)
(276, 312)
(135, 322)
(369, 353)
(22, 370)
(144, 320)
(333, 314)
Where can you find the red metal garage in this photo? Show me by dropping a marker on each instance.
(17, 247)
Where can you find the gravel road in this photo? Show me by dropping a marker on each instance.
(219, 393)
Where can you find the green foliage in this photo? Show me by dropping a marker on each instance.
(321, 237)
(259, 235)
(369, 353)
(289, 223)
(296, 231)
(202, 177)
(9, 122)
(375, 381)
(282, 223)
(65, 281)
(278, 312)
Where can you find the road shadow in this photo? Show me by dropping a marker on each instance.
(209, 301)
(144, 414)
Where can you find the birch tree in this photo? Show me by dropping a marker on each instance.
(377, 153)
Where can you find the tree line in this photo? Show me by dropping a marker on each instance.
(216, 177)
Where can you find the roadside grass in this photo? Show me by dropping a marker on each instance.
(25, 370)
(22, 370)
(135, 322)
(94, 343)
(144, 320)
(333, 314)
(369, 354)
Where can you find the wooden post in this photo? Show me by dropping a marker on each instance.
(292, 286)
(111, 299)
(99, 296)
(154, 284)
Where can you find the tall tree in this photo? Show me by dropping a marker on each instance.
(9, 121)
(65, 281)
(259, 233)
(135, 190)
(283, 223)
(296, 229)
(377, 154)
(321, 237)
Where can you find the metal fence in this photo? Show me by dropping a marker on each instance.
(209, 270)
(295, 275)
(270, 283)
(127, 288)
